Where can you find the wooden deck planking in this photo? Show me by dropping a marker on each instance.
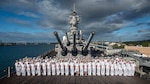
(74, 80)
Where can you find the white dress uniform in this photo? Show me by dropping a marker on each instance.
(124, 69)
(57, 68)
(89, 68)
(128, 69)
(18, 69)
(38, 65)
(48, 68)
(28, 69)
(107, 68)
(81, 68)
(120, 69)
(23, 69)
(93, 68)
(98, 68)
(116, 68)
(85, 68)
(62, 68)
(32, 69)
(53, 68)
(112, 69)
(66, 68)
(72, 68)
(76, 67)
(132, 69)
(44, 68)
(102, 68)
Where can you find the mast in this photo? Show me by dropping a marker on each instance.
(74, 7)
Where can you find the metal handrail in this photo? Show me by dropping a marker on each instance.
(7, 72)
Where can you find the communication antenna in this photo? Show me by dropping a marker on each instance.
(74, 7)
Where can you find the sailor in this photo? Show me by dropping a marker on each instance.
(77, 68)
(85, 68)
(89, 68)
(132, 68)
(27, 69)
(128, 68)
(32, 69)
(98, 68)
(62, 67)
(57, 68)
(48, 64)
(53, 68)
(102, 68)
(81, 68)
(43, 68)
(120, 68)
(18, 68)
(107, 68)
(124, 69)
(116, 68)
(23, 68)
(112, 68)
(93, 68)
(38, 67)
(46, 59)
(66, 68)
(72, 68)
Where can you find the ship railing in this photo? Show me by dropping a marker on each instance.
(7, 72)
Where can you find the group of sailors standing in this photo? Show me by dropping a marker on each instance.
(75, 66)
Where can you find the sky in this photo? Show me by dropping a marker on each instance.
(36, 20)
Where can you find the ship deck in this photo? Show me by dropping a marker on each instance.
(73, 80)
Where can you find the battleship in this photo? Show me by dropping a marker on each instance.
(73, 45)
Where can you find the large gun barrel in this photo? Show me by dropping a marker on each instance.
(74, 49)
(68, 42)
(64, 49)
(80, 39)
(84, 50)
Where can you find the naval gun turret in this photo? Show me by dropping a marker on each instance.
(64, 49)
(85, 49)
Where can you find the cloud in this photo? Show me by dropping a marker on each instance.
(19, 22)
(30, 5)
(103, 27)
(144, 30)
(28, 14)
(102, 16)
(53, 16)
(143, 36)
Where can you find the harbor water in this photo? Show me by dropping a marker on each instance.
(9, 54)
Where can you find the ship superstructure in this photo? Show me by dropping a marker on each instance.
(73, 43)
